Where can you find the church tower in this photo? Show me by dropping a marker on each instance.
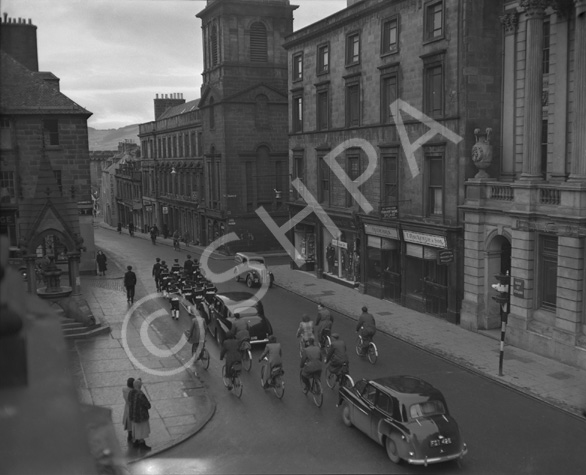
(245, 118)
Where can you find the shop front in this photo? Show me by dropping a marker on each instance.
(426, 276)
(382, 262)
(341, 254)
(304, 240)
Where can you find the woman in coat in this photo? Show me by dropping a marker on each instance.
(139, 415)
(125, 419)
(101, 260)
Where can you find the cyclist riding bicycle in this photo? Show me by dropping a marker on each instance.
(240, 331)
(366, 327)
(232, 354)
(337, 355)
(311, 364)
(194, 335)
(323, 323)
(305, 330)
(273, 354)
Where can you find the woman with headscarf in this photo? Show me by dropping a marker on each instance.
(125, 419)
(139, 415)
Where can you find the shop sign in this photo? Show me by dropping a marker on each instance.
(231, 222)
(445, 256)
(381, 231)
(519, 288)
(425, 239)
(148, 208)
(165, 210)
(389, 212)
(341, 244)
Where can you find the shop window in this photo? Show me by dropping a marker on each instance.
(435, 186)
(389, 92)
(352, 49)
(324, 181)
(258, 43)
(353, 105)
(323, 111)
(298, 67)
(548, 275)
(434, 21)
(297, 114)
(323, 59)
(51, 131)
(414, 276)
(390, 36)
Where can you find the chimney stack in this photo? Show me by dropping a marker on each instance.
(166, 101)
(19, 40)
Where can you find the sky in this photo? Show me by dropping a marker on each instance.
(114, 56)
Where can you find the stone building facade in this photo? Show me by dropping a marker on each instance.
(528, 219)
(172, 178)
(391, 179)
(244, 119)
(38, 123)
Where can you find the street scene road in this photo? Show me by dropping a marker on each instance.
(506, 431)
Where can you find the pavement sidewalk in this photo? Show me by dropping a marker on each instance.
(180, 403)
(553, 382)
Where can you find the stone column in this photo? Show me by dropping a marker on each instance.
(73, 259)
(534, 13)
(509, 20)
(578, 164)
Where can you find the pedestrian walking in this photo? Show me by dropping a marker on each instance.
(119, 227)
(165, 230)
(130, 284)
(125, 419)
(157, 273)
(156, 230)
(131, 229)
(188, 267)
(101, 260)
(153, 234)
(176, 237)
(138, 411)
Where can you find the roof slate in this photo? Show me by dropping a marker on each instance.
(23, 91)
(180, 109)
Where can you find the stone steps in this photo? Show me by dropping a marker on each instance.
(73, 330)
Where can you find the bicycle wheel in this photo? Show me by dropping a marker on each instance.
(225, 379)
(304, 387)
(237, 386)
(330, 379)
(347, 381)
(246, 360)
(372, 353)
(359, 346)
(205, 358)
(279, 386)
(317, 393)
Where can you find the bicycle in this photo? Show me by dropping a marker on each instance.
(371, 350)
(233, 382)
(325, 342)
(275, 380)
(246, 355)
(314, 387)
(342, 378)
(204, 357)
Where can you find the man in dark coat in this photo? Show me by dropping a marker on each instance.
(366, 327)
(231, 352)
(130, 283)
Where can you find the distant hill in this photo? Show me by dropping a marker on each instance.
(109, 139)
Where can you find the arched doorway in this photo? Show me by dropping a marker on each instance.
(498, 261)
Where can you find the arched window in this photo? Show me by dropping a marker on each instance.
(212, 114)
(258, 43)
(214, 45)
(261, 112)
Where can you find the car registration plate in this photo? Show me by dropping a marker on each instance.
(254, 338)
(439, 442)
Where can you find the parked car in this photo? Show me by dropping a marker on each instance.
(219, 311)
(405, 414)
(252, 269)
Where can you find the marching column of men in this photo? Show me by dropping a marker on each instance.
(182, 281)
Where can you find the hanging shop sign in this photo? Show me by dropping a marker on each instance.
(165, 210)
(389, 212)
(148, 208)
(381, 231)
(425, 239)
(340, 244)
(445, 256)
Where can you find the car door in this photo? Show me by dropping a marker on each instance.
(381, 414)
(364, 408)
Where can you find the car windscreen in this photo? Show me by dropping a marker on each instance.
(256, 260)
(427, 409)
(245, 311)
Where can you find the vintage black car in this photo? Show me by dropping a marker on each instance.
(219, 311)
(405, 414)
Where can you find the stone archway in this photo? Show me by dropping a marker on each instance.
(497, 261)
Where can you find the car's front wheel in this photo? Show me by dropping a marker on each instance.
(249, 282)
(392, 450)
(346, 414)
